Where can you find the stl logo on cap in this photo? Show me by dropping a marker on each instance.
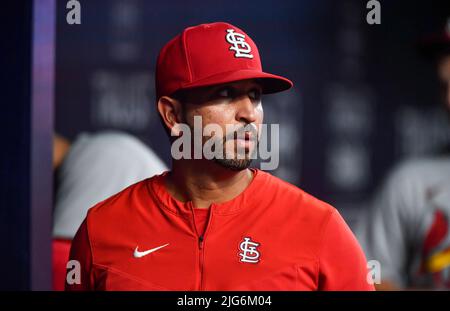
(212, 54)
(237, 40)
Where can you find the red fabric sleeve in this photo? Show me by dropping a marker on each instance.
(61, 250)
(342, 263)
(81, 252)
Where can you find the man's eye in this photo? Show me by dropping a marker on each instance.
(254, 94)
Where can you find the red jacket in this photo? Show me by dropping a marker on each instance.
(273, 236)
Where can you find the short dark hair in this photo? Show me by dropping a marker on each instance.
(180, 95)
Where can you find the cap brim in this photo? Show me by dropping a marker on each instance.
(270, 83)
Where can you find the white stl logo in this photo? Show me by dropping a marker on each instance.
(239, 46)
(249, 253)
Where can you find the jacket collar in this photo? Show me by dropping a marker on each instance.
(250, 196)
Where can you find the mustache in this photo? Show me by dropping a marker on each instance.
(240, 133)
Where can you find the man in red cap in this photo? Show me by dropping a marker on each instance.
(214, 223)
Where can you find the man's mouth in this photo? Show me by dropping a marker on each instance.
(248, 136)
(244, 139)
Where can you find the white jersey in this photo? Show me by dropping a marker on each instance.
(407, 229)
(96, 167)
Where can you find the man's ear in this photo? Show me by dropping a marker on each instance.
(170, 111)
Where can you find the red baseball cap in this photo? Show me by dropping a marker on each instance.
(210, 54)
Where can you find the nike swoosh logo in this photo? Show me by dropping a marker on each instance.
(138, 254)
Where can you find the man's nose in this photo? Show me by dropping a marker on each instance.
(246, 109)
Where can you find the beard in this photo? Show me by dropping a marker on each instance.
(235, 163)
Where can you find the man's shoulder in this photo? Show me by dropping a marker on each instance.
(417, 175)
(123, 202)
(418, 167)
(295, 198)
(293, 209)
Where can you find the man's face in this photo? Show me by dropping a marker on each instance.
(444, 78)
(236, 104)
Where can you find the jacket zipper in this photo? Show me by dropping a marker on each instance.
(201, 241)
(200, 248)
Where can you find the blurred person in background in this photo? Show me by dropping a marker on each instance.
(407, 229)
(90, 170)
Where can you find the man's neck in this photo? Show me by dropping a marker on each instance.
(205, 182)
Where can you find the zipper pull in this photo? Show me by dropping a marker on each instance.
(200, 241)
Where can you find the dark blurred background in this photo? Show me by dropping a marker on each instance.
(363, 98)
